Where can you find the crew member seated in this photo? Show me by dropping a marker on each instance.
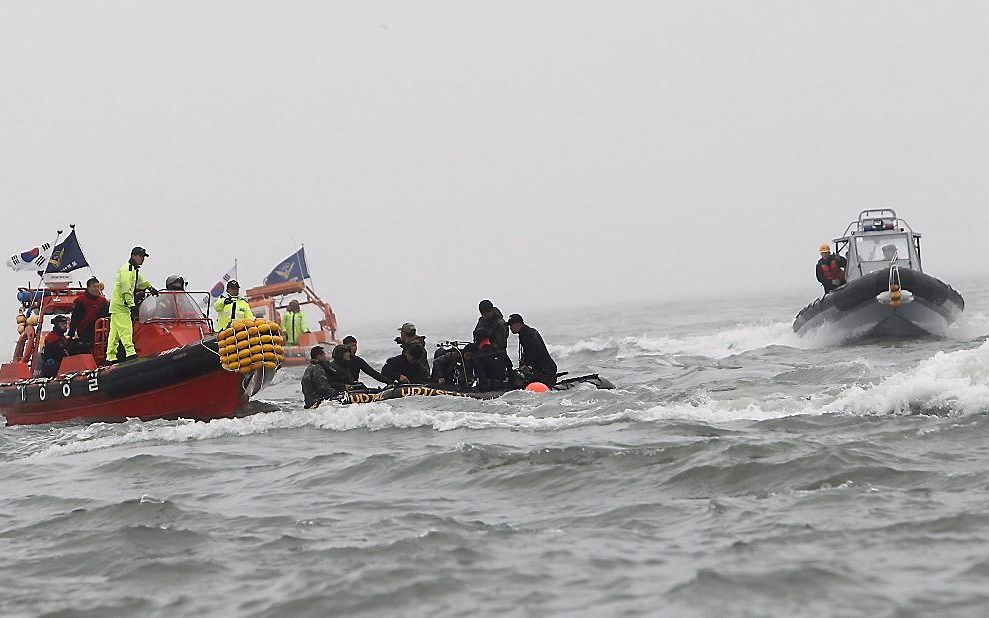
(294, 323)
(358, 365)
(231, 307)
(407, 336)
(56, 347)
(338, 369)
(87, 308)
(831, 269)
(890, 253)
(535, 363)
(455, 367)
(316, 386)
(407, 367)
(491, 363)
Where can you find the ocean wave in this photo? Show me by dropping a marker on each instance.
(947, 383)
(743, 337)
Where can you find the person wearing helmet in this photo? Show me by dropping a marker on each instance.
(830, 269)
(294, 323)
(123, 306)
(175, 283)
(231, 307)
(56, 347)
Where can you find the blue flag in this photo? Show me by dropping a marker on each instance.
(67, 256)
(293, 268)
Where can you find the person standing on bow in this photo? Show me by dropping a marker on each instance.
(231, 307)
(294, 323)
(830, 269)
(124, 307)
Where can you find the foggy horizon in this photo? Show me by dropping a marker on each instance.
(550, 156)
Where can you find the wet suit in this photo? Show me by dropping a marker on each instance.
(357, 365)
(491, 365)
(495, 328)
(400, 366)
(534, 355)
(451, 367)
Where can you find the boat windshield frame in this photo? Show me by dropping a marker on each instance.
(183, 315)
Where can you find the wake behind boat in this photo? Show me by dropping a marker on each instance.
(886, 292)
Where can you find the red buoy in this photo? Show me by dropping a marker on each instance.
(537, 387)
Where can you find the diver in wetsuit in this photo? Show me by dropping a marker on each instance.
(338, 369)
(454, 367)
(407, 367)
(493, 322)
(358, 364)
(491, 363)
(535, 363)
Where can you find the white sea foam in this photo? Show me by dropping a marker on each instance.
(948, 382)
(743, 337)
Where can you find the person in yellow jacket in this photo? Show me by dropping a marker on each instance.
(294, 323)
(231, 307)
(123, 306)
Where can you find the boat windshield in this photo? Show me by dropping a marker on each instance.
(171, 306)
(876, 252)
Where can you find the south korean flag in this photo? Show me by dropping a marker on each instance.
(32, 259)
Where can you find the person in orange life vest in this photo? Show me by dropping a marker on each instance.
(56, 347)
(831, 269)
(87, 308)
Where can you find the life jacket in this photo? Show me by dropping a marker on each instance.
(831, 270)
(94, 309)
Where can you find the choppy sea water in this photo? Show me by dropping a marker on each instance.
(737, 469)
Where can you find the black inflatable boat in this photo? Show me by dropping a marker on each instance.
(887, 294)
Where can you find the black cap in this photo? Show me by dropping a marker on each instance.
(233, 283)
(140, 251)
(485, 305)
(59, 318)
(515, 319)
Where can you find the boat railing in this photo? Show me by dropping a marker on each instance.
(877, 220)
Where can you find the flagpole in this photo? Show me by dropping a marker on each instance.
(41, 273)
(311, 282)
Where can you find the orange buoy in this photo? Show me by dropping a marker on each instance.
(537, 387)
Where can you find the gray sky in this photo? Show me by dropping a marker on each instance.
(430, 154)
